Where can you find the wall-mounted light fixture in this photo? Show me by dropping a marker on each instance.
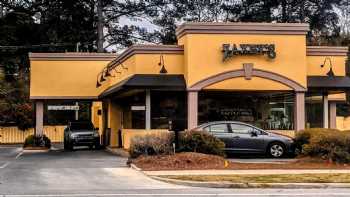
(107, 74)
(98, 81)
(161, 63)
(124, 67)
(102, 79)
(98, 84)
(330, 73)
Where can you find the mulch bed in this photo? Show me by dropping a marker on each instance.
(180, 161)
(198, 161)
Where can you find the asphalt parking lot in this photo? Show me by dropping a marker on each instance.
(60, 172)
(84, 173)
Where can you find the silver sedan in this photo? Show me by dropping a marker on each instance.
(240, 137)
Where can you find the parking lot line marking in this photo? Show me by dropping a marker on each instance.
(4, 165)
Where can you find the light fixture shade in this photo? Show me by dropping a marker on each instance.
(107, 74)
(163, 70)
(161, 63)
(102, 79)
(330, 73)
(98, 84)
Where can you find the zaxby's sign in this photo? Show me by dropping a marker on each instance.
(230, 51)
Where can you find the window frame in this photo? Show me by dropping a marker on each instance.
(252, 128)
(227, 126)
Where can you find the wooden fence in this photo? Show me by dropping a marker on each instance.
(12, 135)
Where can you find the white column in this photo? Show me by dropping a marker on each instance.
(299, 111)
(325, 111)
(192, 110)
(332, 115)
(148, 109)
(76, 111)
(39, 115)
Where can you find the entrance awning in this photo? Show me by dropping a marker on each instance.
(326, 83)
(147, 81)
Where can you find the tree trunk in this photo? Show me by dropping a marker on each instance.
(100, 25)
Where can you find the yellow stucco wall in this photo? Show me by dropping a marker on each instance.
(343, 123)
(337, 97)
(314, 65)
(115, 118)
(145, 64)
(204, 56)
(95, 118)
(12, 135)
(65, 78)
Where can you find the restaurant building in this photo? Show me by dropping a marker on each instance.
(259, 73)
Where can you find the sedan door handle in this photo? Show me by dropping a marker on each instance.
(236, 137)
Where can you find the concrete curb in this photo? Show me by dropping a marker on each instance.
(224, 184)
(118, 152)
(35, 151)
(243, 172)
(133, 166)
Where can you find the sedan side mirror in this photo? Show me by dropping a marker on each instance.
(254, 133)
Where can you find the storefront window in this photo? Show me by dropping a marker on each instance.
(134, 111)
(61, 112)
(266, 110)
(314, 110)
(168, 108)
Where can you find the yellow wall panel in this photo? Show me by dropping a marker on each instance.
(314, 65)
(204, 56)
(65, 78)
(148, 63)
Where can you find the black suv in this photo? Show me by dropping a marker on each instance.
(81, 133)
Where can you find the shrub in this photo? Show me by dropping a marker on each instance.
(23, 115)
(37, 141)
(328, 144)
(152, 144)
(201, 142)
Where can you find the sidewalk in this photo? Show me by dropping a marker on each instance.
(241, 172)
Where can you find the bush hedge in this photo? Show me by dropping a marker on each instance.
(201, 142)
(152, 144)
(329, 144)
(37, 141)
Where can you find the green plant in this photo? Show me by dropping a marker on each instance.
(328, 144)
(37, 141)
(201, 142)
(152, 144)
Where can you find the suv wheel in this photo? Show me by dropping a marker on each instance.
(276, 150)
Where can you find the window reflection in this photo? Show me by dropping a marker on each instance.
(314, 110)
(266, 110)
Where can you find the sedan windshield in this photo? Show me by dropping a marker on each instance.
(81, 126)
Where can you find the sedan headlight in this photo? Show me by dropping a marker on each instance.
(96, 134)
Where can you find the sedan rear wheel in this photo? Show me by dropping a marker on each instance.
(276, 150)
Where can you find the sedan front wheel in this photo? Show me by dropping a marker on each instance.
(276, 150)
